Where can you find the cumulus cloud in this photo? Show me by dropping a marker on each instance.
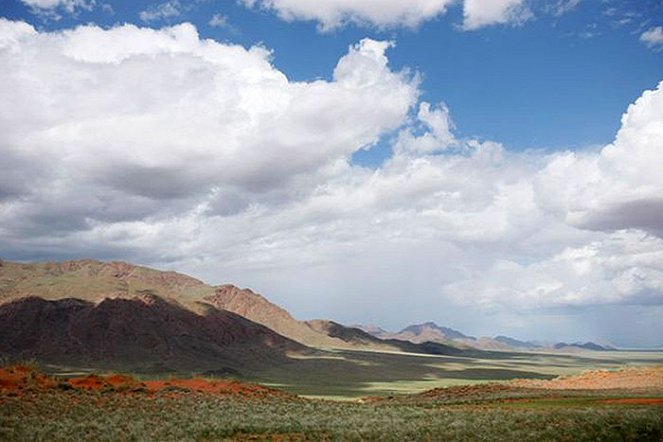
(159, 147)
(653, 37)
(619, 186)
(162, 115)
(331, 14)
(623, 268)
(480, 13)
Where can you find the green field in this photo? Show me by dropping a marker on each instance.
(346, 374)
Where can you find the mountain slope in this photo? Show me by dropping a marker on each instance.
(358, 338)
(420, 333)
(93, 280)
(257, 308)
(142, 333)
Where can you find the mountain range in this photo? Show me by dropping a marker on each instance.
(431, 332)
(118, 315)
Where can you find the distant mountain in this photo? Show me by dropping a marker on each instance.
(373, 330)
(144, 333)
(582, 346)
(430, 331)
(418, 333)
(515, 343)
(358, 337)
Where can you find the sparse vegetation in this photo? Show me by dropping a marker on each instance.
(491, 412)
(181, 415)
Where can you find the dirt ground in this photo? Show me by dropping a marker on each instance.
(626, 378)
(19, 378)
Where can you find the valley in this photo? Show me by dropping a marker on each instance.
(110, 349)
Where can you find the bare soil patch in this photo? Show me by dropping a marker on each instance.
(627, 378)
(21, 378)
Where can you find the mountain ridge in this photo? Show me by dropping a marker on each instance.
(141, 333)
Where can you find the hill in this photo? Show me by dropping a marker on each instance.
(581, 346)
(96, 282)
(358, 338)
(257, 308)
(421, 333)
(145, 333)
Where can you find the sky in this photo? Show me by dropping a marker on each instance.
(490, 165)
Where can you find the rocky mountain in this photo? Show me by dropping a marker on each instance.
(144, 333)
(101, 284)
(94, 281)
(358, 338)
(257, 308)
(433, 333)
(419, 333)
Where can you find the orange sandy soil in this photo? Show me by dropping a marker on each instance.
(627, 378)
(19, 378)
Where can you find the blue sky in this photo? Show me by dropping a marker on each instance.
(492, 165)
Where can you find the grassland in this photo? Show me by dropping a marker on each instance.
(345, 374)
(35, 406)
(180, 414)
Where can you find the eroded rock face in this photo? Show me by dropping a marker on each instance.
(136, 333)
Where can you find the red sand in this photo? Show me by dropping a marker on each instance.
(23, 378)
(627, 378)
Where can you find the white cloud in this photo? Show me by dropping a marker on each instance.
(161, 11)
(68, 5)
(563, 6)
(436, 137)
(219, 21)
(653, 37)
(331, 14)
(138, 115)
(480, 13)
(159, 147)
(50, 9)
(624, 267)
